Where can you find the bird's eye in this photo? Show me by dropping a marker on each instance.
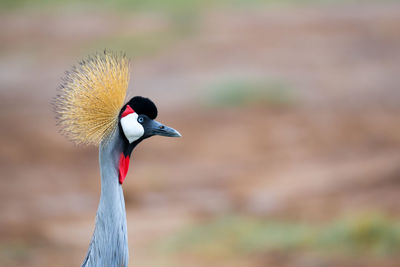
(140, 119)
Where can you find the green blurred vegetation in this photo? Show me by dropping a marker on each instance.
(371, 234)
(154, 5)
(271, 93)
(137, 45)
(148, 43)
(16, 250)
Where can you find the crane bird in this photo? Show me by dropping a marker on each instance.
(90, 109)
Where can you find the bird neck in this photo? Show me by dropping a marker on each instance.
(111, 190)
(109, 245)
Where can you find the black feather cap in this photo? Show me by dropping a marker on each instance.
(142, 105)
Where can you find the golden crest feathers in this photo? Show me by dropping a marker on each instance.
(91, 96)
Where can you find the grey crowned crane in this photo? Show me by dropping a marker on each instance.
(90, 109)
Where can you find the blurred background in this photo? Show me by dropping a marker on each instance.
(290, 153)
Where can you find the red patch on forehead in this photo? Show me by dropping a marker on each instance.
(128, 110)
(123, 167)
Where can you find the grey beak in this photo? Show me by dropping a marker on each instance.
(160, 129)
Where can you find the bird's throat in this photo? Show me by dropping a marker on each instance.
(124, 158)
(123, 167)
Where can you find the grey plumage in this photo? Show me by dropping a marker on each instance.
(109, 245)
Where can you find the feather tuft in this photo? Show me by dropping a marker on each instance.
(90, 97)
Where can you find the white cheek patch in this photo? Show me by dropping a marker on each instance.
(133, 130)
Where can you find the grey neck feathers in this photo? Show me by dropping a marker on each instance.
(109, 245)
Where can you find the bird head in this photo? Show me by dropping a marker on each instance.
(90, 106)
(137, 121)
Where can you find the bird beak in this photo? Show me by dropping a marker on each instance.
(160, 129)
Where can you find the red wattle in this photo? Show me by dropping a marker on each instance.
(128, 110)
(123, 167)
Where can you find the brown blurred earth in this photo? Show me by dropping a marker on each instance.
(326, 148)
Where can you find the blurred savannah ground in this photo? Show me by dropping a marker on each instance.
(290, 153)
